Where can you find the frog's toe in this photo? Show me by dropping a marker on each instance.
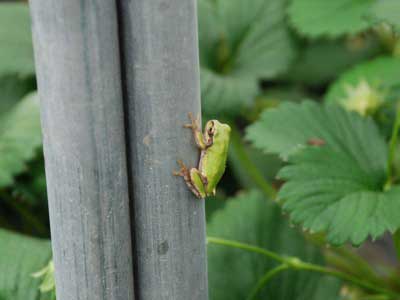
(177, 173)
(194, 123)
(181, 164)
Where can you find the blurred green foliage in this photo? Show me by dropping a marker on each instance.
(255, 57)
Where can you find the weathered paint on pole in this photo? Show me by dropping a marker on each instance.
(78, 71)
(161, 75)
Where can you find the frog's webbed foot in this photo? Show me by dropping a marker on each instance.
(197, 133)
(185, 173)
(194, 123)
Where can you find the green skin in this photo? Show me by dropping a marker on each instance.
(213, 143)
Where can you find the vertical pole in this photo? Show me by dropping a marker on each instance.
(161, 75)
(78, 70)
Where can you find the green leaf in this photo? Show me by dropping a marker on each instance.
(12, 89)
(31, 185)
(321, 61)
(291, 127)
(20, 136)
(250, 218)
(337, 187)
(47, 276)
(386, 11)
(272, 97)
(316, 18)
(239, 44)
(332, 192)
(382, 73)
(213, 204)
(225, 94)
(16, 52)
(20, 257)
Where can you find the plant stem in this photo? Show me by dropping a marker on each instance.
(264, 280)
(345, 260)
(247, 164)
(346, 277)
(392, 149)
(390, 175)
(247, 247)
(296, 263)
(396, 240)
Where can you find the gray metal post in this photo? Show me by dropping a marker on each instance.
(77, 62)
(160, 52)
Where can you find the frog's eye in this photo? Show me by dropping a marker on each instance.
(211, 129)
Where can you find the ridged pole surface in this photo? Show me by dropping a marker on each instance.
(79, 81)
(161, 83)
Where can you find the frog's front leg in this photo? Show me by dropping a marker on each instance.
(201, 142)
(194, 180)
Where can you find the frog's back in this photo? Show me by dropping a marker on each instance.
(214, 168)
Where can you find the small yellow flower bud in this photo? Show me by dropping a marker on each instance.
(363, 98)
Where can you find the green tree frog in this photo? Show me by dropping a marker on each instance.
(213, 143)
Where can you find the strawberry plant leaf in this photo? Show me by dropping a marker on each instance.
(12, 89)
(239, 44)
(337, 185)
(16, 51)
(252, 219)
(316, 18)
(31, 185)
(313, 67)
(20, 257)
(291, 127)
(386, 11)
(20, 136)
(226, 95)
(330, 191)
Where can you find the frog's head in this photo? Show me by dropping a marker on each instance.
(217, 130)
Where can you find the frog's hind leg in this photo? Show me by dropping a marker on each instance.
(199, 181)
(186, 174)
